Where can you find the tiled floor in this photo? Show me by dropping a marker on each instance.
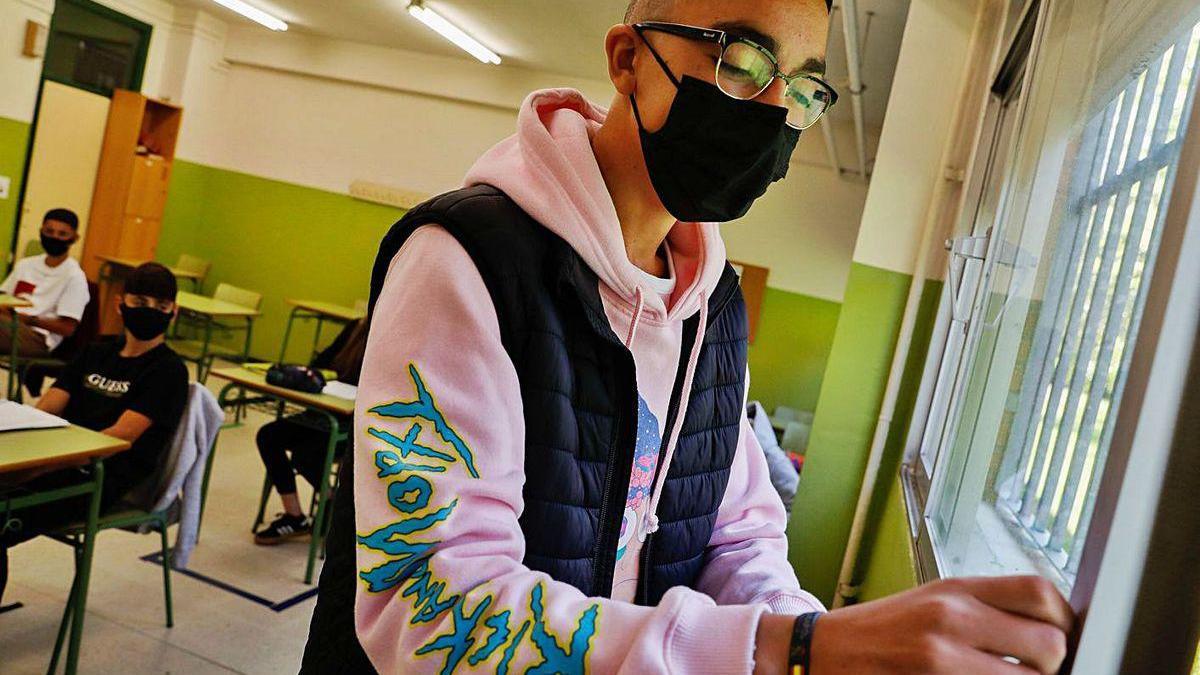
(215, 631)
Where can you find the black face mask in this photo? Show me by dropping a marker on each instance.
(145, 323)
(715, 154)
(55, 247)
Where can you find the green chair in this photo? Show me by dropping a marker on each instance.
(204, 354)
(193, 268)
(32, 247)
(124, 519)
(238, 296)
(129, 517)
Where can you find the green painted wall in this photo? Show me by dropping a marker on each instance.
(791, 348)
(14, 138)
(282, 240)
(885, 561)
(851, 393)
(891, 567)
(255, 230)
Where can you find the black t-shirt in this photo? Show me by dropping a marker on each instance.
(103, 385)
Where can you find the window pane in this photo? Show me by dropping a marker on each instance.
(1053, 324)
(92, 50)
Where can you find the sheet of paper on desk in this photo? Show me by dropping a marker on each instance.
(340, 390)
(15, 416)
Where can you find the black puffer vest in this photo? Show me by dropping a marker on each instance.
(579, 396)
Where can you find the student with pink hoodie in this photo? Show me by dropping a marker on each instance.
(553, 470)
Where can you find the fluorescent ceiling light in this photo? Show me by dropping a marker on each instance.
(254, 14)
(452, 33)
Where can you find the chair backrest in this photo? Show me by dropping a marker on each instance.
(795, 437)
(86, 331)
(169, 471)
(784, 414)
(360, 305)
(32, 248)
(238, 296)
(193, 264)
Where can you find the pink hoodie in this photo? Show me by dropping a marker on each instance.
(440, 429)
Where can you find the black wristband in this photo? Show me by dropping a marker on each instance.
(801, 648)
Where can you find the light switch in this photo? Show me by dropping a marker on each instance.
(5, 182)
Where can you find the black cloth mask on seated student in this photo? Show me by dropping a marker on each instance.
(716, 154)
(55, 247)
(145, 323)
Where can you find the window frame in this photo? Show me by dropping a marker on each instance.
(918, 488)
(1008, 95)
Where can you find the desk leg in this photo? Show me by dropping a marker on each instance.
(314, 544)
(287, 334)
(317, 336)
(201, 370)
(85, 566)
(14, 368)
(246, 347)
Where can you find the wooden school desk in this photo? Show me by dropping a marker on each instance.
(53, 448)
(115, 266)
(113, 270)
(12, 303)
(322, 312)
(209, 309)
(329, 408)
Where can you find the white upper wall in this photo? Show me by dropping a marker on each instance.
(19, 74)
(803, 230)
(925, 95)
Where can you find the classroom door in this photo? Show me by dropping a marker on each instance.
(62, 167)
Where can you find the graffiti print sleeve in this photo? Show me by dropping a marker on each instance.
(438, 477)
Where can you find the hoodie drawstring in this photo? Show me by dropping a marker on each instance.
(665, 462)
(639, 304)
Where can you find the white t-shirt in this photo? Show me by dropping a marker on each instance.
(55, 292)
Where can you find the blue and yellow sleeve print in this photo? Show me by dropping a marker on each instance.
(482, 635)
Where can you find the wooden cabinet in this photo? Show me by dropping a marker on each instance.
(139, 238)
(131, 187)
(148, 187)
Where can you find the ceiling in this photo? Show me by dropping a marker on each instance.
(560, 36)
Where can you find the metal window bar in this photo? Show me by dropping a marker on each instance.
(1121, 361)
(1016, 453)
(1066, 440)
(1142, 222)
(1065, 278)
(1078, 359)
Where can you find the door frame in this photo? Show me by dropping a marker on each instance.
(139, 72)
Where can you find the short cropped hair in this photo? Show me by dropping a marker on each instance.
(63, 216)
(649, 10)
(152, 280)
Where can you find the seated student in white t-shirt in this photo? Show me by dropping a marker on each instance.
(53, 283)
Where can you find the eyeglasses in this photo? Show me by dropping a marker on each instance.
(745, 69)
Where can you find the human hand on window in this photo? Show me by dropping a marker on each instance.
(951, 626)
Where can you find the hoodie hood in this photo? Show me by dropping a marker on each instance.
(549, 169)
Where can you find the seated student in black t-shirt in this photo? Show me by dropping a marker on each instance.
(307, 445)
(134, 389)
